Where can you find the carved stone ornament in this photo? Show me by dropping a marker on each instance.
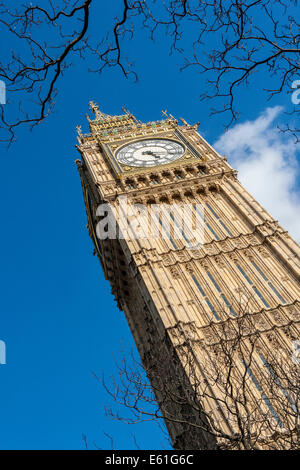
(168, 259)
(219, 261)
(174, 272)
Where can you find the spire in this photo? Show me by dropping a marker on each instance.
(79, 130)
(94, 107)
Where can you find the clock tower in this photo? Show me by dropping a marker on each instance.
(188, 303)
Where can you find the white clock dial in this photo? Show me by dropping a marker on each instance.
(150, 152)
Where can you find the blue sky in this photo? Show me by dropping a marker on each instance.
(58, 318)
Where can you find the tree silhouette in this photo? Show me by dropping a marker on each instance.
(228, 41)
(239, 396)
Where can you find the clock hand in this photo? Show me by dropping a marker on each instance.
(149, 152)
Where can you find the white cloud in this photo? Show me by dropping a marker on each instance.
(267, 165)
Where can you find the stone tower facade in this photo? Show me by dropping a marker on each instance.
(216, 325)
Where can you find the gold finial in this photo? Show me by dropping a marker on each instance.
(183, 121)
(164, 113)
(94, 107)
(196, 125)
(79, 130)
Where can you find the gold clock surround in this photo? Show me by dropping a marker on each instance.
(127, 170)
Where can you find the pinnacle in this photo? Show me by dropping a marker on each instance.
(94, 107)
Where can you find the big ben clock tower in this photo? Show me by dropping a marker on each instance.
(187, 305)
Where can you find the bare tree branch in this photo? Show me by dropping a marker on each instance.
(228, 41)
(238, 397)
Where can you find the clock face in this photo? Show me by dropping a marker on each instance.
(150, 152)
